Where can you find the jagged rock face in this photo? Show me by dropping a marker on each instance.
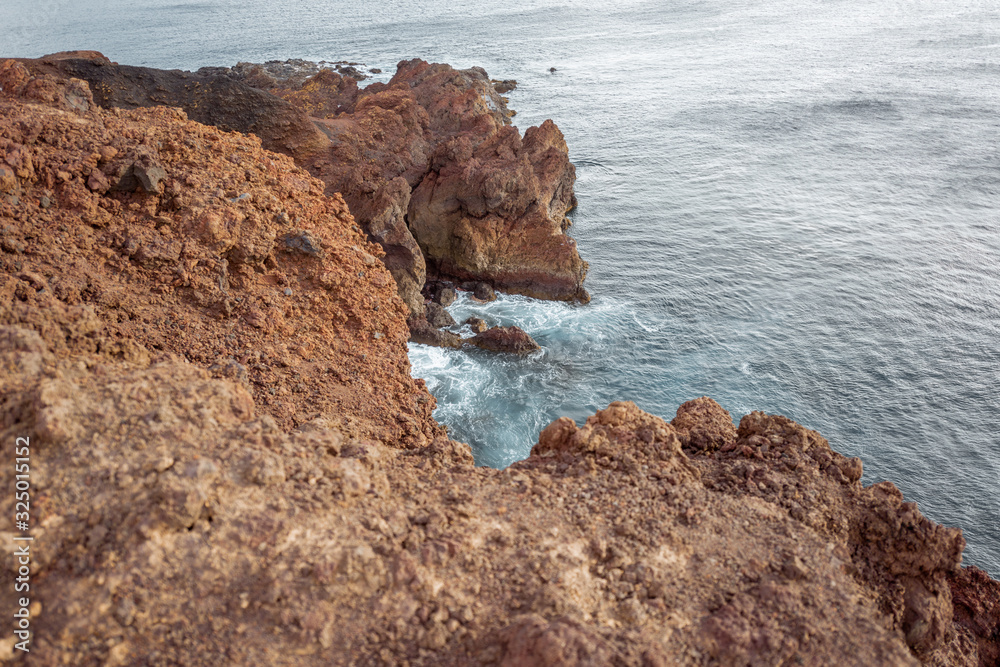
(497, 211)
(379, 148)
(482, 203)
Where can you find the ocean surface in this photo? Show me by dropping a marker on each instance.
(789, 206)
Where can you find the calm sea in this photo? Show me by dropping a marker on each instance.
(790, 206)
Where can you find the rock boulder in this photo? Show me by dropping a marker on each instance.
(505, 339)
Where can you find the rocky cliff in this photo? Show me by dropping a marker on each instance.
(428, 163)
(230, 463)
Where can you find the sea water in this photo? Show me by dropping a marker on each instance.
(787, 205)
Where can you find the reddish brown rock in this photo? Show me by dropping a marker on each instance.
(231, 464)
(703, 425)
(534, 642)
(976, 602)
(428, 164)
(213, 99)
(496, 212)
(195, 255)
(8, 180)
(504, 86)
(505, 339)
(421, 331)
(65, 93)
(487, 205)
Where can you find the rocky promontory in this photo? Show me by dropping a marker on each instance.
(231, 465)
(428, 163)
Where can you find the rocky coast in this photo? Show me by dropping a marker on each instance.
(207, 285)
(428, 163)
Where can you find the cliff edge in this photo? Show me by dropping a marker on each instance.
(428, 163)
(230, 463)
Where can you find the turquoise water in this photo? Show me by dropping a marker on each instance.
(787, 206)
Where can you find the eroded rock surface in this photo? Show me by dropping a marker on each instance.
(227, 252)
(209, 98)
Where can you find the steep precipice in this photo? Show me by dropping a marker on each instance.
(231, 464)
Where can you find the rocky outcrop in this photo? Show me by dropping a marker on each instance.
(496, 212)
(505, 339)
(428, 163)
(212, 99)
(476, 324)
(438, 317)
(216, 250)
(230, 463)
(483, 292)
(442, 293)
(425, 333)
(451, 174)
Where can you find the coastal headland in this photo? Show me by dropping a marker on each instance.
(207, 285)
(428, 163)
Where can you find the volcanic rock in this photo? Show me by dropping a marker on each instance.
(427, 163)
(495, 211)
(304, 242)
(8, 180)
(212, 99)
(505, 339)
(703, 425)
(430, 124)
(504, 86)
(144, 173)
(976, 602)
(185, 266)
